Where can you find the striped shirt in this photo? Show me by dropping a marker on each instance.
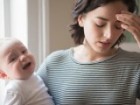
(112, 81)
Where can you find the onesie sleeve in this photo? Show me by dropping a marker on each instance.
(12, 98)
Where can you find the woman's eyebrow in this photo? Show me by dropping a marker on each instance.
(102, 18)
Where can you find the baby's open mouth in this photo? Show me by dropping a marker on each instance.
(26, 65)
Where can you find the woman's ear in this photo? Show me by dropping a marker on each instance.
(80, 20)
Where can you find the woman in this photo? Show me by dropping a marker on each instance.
(96, 71)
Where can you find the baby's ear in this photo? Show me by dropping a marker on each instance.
(2, 74)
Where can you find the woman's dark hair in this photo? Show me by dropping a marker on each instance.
(84, 6)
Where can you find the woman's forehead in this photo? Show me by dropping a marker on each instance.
(109, 11)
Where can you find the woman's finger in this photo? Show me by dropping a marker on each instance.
(129, 19)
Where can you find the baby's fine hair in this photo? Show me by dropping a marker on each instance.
(5, 40)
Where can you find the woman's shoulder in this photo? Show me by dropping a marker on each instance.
(58, 55)
(130, 55)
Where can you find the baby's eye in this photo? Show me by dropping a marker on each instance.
(24, 51)
(12, 59)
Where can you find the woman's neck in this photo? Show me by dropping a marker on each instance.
(85, 54)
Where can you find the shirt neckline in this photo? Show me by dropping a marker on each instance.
(93, 62)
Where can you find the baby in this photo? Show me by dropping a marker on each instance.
(21, 86)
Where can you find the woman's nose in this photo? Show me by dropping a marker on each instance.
(108, 32)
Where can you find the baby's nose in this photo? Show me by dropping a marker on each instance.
(23, 58)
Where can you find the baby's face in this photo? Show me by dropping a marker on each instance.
(17, 62)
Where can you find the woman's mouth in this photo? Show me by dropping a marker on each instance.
(104, 44)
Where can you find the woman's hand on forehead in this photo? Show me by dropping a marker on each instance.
(131, 23)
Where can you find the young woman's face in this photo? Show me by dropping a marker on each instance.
(101, 27)
(18, 62)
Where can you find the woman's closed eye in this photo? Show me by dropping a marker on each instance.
(100, 25)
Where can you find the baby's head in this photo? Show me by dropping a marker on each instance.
(16, 62)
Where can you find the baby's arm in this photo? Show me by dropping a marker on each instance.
(43, 95)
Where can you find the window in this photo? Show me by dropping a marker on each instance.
(2, 18)
(13, 19)
(26, 20)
